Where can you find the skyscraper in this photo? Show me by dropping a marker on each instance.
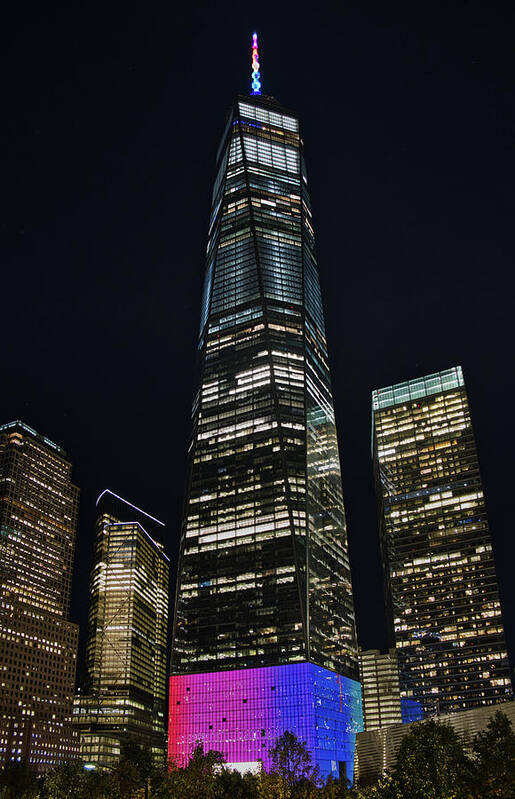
(127, 635)
(440, 584)
(264, 635)
(38, 645)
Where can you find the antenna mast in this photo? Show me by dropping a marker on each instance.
(256, 75)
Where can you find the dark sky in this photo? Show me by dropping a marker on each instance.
(112, 120)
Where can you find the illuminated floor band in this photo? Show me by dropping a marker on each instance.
(242, 712)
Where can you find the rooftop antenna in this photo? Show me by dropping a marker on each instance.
(256, 83)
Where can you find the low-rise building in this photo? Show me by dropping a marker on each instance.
(376, 749)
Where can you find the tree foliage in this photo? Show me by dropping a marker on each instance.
(17, 781)
(233, 785)
(71, 781)
(494, 755)
(198, 778)
(133, 771)
(431, 764)
(291, 759)
(335, 789)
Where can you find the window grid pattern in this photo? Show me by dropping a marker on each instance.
(264, 578)
(380, 688)
(38, 645)
(242, 713)
(440, 580)
(127, 636)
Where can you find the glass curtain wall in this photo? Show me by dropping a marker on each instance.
(264, 577)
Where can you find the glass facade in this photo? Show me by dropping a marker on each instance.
(379, 675)
(411, 710)
(127, 636)
(264, 577)
(38, 645)
(243, 712)
(440, 583)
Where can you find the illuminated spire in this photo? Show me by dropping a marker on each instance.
(256, 83)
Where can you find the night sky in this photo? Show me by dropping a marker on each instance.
(113, 115)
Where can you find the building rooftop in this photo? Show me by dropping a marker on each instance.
(126, 512)
(18, 425)
(419, 387)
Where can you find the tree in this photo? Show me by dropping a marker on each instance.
(160, 787)
(98, 785)
(306, 788)
(67, 780)
(494, 766)
(335, 789)
(125, 781)
(196, 779)
(135, 766)
(131, 751)
(271, 785)
(17, 781)
(231, 784)
(71, 781)
(291, 759)
(431, 764)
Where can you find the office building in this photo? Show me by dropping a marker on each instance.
(441, 588)
(264, 635)
(38, 643)
(379, 677)
(124, 695)
(380, 688)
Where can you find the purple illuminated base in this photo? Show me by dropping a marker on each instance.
(241, 713)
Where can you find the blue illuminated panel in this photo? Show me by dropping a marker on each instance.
(242, 713)
(411, 710)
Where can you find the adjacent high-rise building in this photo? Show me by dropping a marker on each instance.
(264, 635)
(38, 644)
(440, 584)
(379, 676)
(124, 695)
(380, 688)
